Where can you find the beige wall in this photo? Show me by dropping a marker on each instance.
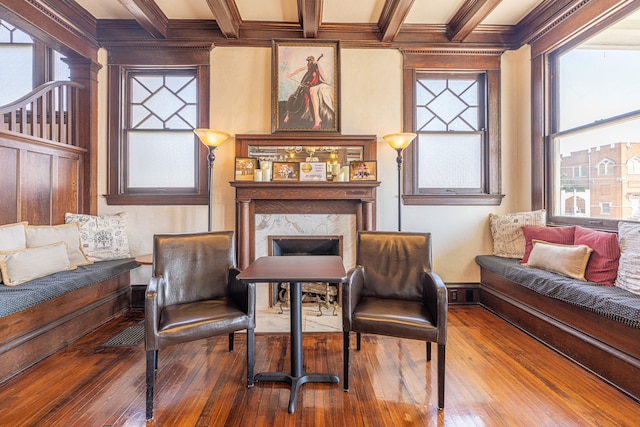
(371, 101)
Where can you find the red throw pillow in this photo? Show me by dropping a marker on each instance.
(603, 264)
(560, 235)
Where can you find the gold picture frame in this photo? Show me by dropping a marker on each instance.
(285, 171)
(244, 168)
(305, 85)
(365, 170)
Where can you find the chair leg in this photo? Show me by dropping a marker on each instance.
(152, 357)
(250, 352)
(231, 341)
(345, 360)
(358, 341)
(441, 364)
(428, 351)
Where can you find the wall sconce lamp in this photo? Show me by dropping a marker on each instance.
(399, 141)
(211, 138)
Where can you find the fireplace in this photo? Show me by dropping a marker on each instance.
(301, 208)
(327, 295)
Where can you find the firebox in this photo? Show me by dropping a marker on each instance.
(323, 294)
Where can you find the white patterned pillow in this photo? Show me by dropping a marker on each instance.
(104, 237)
(629, 267)
(506, 230)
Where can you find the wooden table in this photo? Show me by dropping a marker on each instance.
(295, 270)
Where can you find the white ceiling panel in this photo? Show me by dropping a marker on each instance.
(105, 9)
(357, 11)
(268, 10)
(432, 11)
(510, 12)
(185, 9)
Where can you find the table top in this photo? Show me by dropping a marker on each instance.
(146, 259)
(297, 268)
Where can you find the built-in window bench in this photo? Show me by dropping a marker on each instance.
(42, 316)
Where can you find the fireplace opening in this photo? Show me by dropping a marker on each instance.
(327, 295)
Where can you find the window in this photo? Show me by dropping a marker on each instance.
(605, 167)
(154, 156)
(633, 165)
(16, 48)
(450, 130)
(581, 171)
(595, 121)
(455, 158)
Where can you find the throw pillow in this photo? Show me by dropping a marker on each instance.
(561, 235)
(603, 263)
(568, 260)
(104, 237)
(42, 235)
(506, 230)
(629, 265)
(27, 264)
(13, 236)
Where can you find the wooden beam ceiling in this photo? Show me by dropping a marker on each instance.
(149, 15)
(467, 18)
(392, 17)
(227, 17)
(310, 15)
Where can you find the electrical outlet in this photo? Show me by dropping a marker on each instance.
(454, 295)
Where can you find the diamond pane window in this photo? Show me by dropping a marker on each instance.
(162, 113)
(451, 133)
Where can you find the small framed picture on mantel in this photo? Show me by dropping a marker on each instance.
(286, 171)
(313, 171)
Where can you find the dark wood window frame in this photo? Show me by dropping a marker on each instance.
(155, 57)
(486, 63)
(568, 31)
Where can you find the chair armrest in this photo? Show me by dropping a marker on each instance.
(435, 298)
(152, 308)
(243, 294)
(351, 291)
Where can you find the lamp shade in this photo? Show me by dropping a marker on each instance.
(399, 141)
(211, 137)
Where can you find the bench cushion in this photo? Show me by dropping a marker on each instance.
(29, 294)
(610, 301)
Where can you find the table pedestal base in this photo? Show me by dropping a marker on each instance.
(296, 382)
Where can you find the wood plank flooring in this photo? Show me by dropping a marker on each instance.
(496, 376)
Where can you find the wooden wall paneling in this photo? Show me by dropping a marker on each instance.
(65, 195)
(9, 186)
(36, 188)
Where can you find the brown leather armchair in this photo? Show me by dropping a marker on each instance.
(392, 291)
(193, 294)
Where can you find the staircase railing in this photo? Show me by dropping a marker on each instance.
(49, 112)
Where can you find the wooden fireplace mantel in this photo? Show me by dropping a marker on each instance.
(358, 198)
(300, 197)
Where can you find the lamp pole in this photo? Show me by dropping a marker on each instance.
(210, 157)
(399, 161)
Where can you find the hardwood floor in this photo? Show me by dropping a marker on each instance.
(496, 376)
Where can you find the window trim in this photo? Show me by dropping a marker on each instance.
(124, 58)
(486, 63)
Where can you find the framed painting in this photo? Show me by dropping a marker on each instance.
(244, 168)
(363, 171)
(286, 171)
(305, 86)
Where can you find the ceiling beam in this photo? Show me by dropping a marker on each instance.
(149, 15)
(310, 14)
(467, 18)
(392, 17)
(227, 17)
